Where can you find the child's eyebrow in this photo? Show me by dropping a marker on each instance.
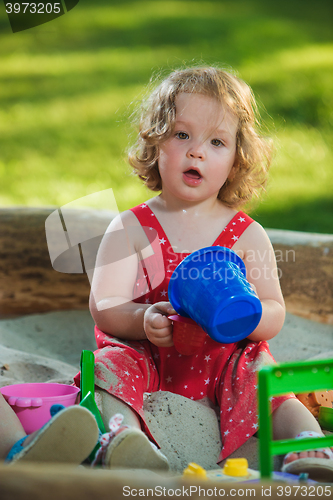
(180, 122)
(222, 131)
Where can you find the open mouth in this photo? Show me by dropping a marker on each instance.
(193, 174)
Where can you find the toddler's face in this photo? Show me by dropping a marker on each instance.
(197, 159)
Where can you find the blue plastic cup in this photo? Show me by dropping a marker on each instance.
(210, 286)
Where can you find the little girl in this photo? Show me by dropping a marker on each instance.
(198, 146)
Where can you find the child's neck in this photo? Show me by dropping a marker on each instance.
(183, 222)
(203, 208)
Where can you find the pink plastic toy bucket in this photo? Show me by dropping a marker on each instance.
(32, 402)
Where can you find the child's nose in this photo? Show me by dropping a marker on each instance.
(196, 152)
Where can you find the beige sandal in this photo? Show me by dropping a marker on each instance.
(318, 469)
(128, 448)
(131, 449)
(70, 436)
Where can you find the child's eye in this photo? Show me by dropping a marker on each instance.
(182, 135)
(217, 142)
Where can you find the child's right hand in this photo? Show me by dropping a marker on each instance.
(157, 326)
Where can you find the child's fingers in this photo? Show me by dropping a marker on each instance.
(166, 342)
(160, 321)
(165, 308)
(161, 337)
(157, 315)
(157, 325)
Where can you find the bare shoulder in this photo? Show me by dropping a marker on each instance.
(126, 222)
(122, 220)
(254, 238)
(126, 231)
(255, 234)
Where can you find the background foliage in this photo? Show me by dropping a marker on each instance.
(68, 88)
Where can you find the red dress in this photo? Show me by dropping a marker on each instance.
(226, 373)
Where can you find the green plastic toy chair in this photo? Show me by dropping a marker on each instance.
(275, 380)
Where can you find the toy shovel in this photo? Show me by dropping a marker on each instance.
(87, 385)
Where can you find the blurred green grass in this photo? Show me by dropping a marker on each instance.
(68, 88)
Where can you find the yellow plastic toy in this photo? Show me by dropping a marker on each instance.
(194, 470)
(236, 467)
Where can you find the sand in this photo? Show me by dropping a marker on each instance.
(47, 347)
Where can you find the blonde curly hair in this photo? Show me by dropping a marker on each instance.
(156, 124)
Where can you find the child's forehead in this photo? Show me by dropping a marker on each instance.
(205, 109)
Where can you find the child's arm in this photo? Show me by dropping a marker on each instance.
(262, 272)
(111, 298)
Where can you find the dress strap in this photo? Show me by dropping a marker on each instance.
(233, 230)
(147, 218)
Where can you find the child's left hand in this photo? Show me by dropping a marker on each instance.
(157, 326)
